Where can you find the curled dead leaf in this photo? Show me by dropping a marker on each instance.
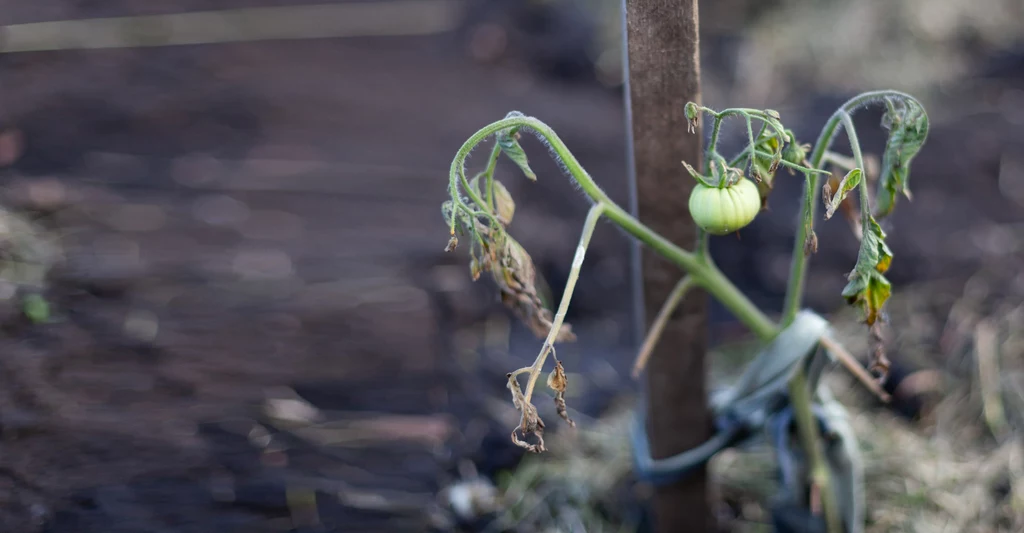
(530, 424)
(556, 379)
(811, 243)
(558, 382)
(514, 273)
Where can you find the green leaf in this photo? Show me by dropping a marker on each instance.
(868, 288)
(870, 294)
(508, 140)
(907, 123)
(848, 183)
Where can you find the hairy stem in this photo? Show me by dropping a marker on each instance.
(492, 162)
(673, 300)
(750, 140)
(808, 212)
(556, 325)
(712, 144)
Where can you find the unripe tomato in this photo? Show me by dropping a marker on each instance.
(723, 211)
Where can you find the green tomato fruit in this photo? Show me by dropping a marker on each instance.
(723, 211)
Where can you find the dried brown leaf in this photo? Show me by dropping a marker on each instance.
(811, 243)
(475, 268)
(530, 424)
(556, 379)
(513, 271)
(558, 382)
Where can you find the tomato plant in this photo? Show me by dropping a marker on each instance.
(727, 197)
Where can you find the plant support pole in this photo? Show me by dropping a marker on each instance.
(662, 45)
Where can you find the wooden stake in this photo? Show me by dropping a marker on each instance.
(664, 74)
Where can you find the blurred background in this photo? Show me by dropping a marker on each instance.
(226, 306)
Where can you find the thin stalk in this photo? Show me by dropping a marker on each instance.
(739, 157)
(808, 222)
(673, 300)
(793, 166)
(800, 398)
(750, 140)
(858, 160)
(556, 325)
(715, 129)
(492, 162)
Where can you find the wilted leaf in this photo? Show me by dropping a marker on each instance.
(508, 140)
(868, 288)
(514, 273)
(869, 293)
(503, 203)
(848, 183)
(810, 242)
(475, 269)
(558, 382)
(530, 424)
(907, 123)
